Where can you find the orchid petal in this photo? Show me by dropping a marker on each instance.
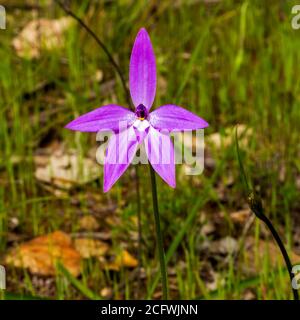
(142, 71)
(141, 128)
(109, 117)
(174, 118)
(160, 153)
(120, 152)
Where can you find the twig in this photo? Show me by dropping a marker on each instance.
(92, 235)
(101, 44)
(255, 204)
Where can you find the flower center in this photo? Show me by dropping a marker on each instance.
(141, 112)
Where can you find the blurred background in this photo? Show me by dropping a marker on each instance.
(231, 62)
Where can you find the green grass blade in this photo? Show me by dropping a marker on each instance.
(242, 170)
(77, 284)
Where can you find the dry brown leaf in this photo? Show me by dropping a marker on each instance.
(123, 259)
(215, 281)
(40, 254)
(241, 216)
(254, 256)
(88, 223)
(186, 143)
(113, 221)
(65, 169)
(249, 294)
(224, 246)
(98, 76)
(218, 140)
(41, 34)
(208, 228)
(106, 293)
(90, 247)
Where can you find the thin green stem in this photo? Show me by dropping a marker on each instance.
(283, 251)
(139, 221)
(244, 177)
(101, 44)
(159, 238)
(117, 68)
(256, 206)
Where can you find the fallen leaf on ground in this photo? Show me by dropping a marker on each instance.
(106, 293)
(226, 139)
(39, 255)
(207, 225)
(214, 282)
(249, 294)
(188, 147)
(41, 34)
(123, 259)
(113, 221)
(103, 235)
(208, 229)
(90, 247)
(254, 255)
(224, 246)
(98, 76)
(88, 223)
(241, 216)
(65, 168)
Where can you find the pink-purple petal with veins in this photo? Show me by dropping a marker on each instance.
(174, 118)
(108, 117)
(142, 71)
(120, 152)
(160, 152)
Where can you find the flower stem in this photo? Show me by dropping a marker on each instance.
(255, 205)
(159, 239)
(284, 253)
(117, 68)
(139, 220)
(100, 43)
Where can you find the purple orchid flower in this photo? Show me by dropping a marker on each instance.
(140, 126)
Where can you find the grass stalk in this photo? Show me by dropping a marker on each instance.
(159, 237)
